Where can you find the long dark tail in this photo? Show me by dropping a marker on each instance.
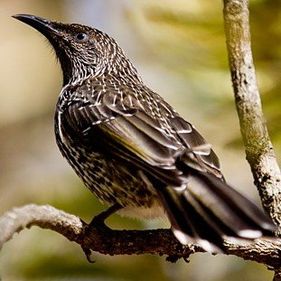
(208, 210)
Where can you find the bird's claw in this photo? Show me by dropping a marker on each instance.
(88, 254)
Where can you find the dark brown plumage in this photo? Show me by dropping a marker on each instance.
(132, 149)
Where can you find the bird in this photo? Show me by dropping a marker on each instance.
(132, 149)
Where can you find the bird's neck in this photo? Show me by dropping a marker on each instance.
(76, 72)
(122, 70)
(126, 72)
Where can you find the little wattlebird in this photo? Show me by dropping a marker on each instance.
(133, 150)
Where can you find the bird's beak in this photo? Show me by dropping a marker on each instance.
(44, 26)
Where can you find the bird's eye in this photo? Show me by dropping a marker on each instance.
(81, 37)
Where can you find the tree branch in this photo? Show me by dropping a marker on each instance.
(127, 242)
(259, 150)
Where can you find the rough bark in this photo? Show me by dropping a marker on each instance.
(259, 150)
(128, 242)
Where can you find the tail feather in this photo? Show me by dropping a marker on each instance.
(209, 210)
(186, 224)
(228, 203)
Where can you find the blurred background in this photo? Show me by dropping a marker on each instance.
(179, 48)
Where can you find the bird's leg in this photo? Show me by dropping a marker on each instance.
(98, 222)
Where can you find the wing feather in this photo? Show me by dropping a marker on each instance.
(152, 134)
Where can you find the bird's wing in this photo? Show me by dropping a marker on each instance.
(128, 134)
(199, 151)
(141, 130)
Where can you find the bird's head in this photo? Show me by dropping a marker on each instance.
(81, 50)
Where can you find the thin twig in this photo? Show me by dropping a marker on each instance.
(128, 242)
(259, 150)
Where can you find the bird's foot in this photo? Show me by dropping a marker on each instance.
(88, 253)
(98, 222)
